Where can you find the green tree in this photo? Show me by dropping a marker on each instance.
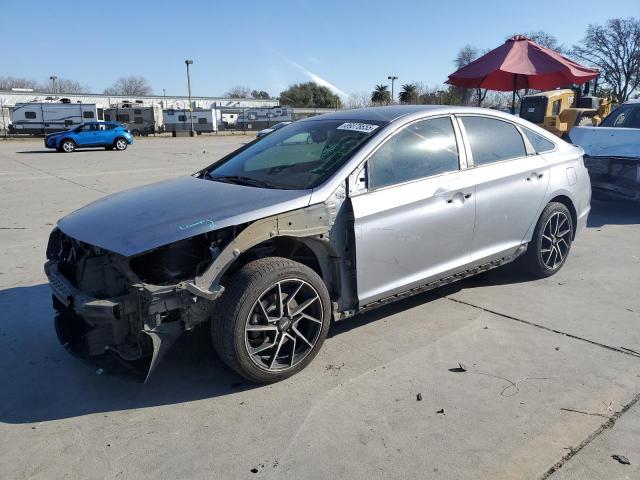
(409, 93)
(381, 95)
(309, 95)
(260, 95)
(615, 49)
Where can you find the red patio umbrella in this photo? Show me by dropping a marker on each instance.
(521, 63)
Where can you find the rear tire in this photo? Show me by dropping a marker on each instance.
(551, 242)
(120, 144)
(68, 146)
(272, 320)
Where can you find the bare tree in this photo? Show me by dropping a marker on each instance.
(358, 100)
(64, 85)
(238, 92)
(546, 40)
(7, 83)
(615, 49)
(134, 86)
(466, 55)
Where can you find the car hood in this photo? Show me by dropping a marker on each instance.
(607, 141)
(143, 218)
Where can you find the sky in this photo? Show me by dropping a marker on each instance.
(349, 45)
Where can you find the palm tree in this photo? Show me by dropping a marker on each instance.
(381, 95)
(409, 93)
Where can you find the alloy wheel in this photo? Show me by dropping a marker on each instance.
(556, 240)
(68, 147)
(284, 325)
(121, 144)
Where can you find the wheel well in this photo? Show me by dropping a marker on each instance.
(293, 248)
(566, 201)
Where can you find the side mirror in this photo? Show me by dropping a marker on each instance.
(358, 180)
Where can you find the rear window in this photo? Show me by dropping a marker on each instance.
(493, 140)
(625, 116)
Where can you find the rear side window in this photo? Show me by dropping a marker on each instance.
(420, 150)
(493, 140)
(87, 114)
(539, 143)
(29, 114)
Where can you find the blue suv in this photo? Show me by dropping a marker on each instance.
(93, 134)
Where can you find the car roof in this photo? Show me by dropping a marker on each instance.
(394, 112)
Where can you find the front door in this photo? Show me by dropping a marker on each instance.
(415, 222)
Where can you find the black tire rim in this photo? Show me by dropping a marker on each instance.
(284, 325)
(556, 240)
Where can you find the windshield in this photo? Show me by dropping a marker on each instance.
(626, 116)
(298, 157)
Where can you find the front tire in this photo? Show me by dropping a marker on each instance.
(551, 243)
(120, 144)
(272, 320)
(68, 146)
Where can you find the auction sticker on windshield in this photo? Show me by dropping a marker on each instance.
(358, 127)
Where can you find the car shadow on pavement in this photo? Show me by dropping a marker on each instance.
(613, 213)
(37, 151)
(41, 381)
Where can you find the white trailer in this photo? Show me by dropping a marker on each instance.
(38, 117)
(179, 120)
(140, 120)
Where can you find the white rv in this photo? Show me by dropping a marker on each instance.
(179, 120)
(38, 117)
(140, 120)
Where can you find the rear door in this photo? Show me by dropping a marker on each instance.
(415, 220)
(511, 183)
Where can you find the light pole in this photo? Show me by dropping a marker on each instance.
(190, 62)
(393, 78)
(53, 79)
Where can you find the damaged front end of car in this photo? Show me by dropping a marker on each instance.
(131, 309)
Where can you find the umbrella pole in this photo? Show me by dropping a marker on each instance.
(513, 99)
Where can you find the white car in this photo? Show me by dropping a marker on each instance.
(612, 152)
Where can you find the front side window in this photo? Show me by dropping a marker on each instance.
(420, 150)
(539, 143)
(298, 157)
(493, 140)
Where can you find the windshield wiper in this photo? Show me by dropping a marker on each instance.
(240, 180)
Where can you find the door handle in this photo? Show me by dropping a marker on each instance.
(459, 195)
(535, 176)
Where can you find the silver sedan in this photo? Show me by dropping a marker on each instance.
(318, 221)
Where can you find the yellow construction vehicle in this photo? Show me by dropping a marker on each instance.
(558, 111)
